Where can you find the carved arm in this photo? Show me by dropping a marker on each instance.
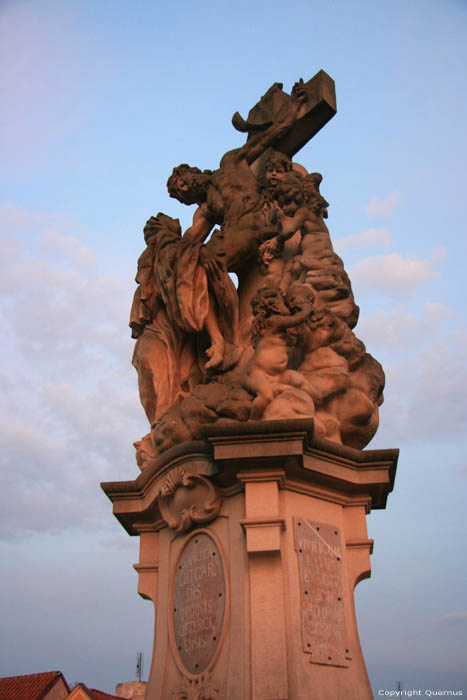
(255, 146)
(201, 226)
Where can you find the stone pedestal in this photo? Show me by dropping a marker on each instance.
(251, 544)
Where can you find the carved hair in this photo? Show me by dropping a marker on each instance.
(314, 198)
(318, 314)
(197, 180)
(297, 288)
(261, 311)
(258, 303)
(290, 188)
(271, 158)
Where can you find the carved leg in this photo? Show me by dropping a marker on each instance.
(216, 351)
(147, 392)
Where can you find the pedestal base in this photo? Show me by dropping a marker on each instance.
(251, 545)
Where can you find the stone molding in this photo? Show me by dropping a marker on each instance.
(311, 466)
(263, 534)
(360, 544)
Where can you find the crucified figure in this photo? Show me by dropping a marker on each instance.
(229, 196)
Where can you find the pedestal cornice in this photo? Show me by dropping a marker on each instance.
(311, 466)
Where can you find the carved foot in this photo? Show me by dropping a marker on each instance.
(216, 355)
(231, 356)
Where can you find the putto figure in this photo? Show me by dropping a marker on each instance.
(267, 374)
(280, 345)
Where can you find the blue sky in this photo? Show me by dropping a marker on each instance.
(99, 101)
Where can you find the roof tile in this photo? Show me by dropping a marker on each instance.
(31, 687)
(100, 695)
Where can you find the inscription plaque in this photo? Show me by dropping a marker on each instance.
(198, 603)
(324, 634)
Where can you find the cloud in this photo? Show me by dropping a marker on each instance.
(369, 238)
(118, 542)
(394, 329)
(426, 388)
(16, 219)
(394, 273)
(382, 206)
(434, 312)
(58, 442)
(56, 301)
(400, 328)
(59, 244)
(69, 405)
(440, 384)
(455, 617)
(423, 355)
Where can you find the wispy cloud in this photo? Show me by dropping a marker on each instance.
(455, 617)
(424, 359)
(400, 328)
(59, 244)
(368, 238)
(427, 389)
(382, 206)
(395, 273)
(68, 401)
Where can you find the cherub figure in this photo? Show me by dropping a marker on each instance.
(346, 382)
(303, 209)
(266, 373)
(273, 169)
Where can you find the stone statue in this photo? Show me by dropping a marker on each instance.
(281, 345)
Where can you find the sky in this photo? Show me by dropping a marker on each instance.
(100, 100)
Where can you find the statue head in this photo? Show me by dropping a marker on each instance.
(298, 295)
(314, 198)
(161, 222)
(267, 301)
(289, 194)
(272, 169)
(189, 184)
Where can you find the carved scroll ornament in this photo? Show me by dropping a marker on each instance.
(187, 499)
(199, 689)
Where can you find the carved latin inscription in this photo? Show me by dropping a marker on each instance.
(198, 603)
(323, 620)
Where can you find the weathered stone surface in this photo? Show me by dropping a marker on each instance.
(281, 345)
(134, 690)
(198, 603)
(319, 550)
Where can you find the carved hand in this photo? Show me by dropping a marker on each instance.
(271, 246)
(211, 262)
(307, 308)
(299, 91)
